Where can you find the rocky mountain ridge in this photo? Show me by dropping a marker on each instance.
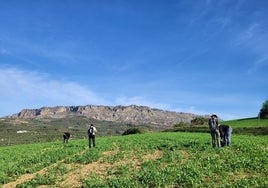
(127, 114)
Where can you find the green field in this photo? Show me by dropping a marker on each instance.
(247, 122)
(52, 129)
(250, 126)
(167, 159)
(247, 126)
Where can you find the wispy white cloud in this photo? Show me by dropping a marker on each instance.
(212, 14)
(255, 39)
(200, 105)
(4, 51)
(192, 110)
(246, 36)
(258, 64)
(25, 89)
(61, 52)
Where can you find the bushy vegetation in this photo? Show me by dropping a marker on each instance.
(132, 131)
(199, 121)
(174, 159)
(181, 124)
(264, 110)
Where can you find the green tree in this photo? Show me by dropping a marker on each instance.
(264, 110)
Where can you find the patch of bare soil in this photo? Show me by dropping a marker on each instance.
(185, 156)
(153, 156)
(27, 177)
(79, 172)
(18, 121)
(24, 178)
(74, 178)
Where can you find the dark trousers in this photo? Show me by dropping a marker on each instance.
(91, 139)
(215, 137)
(227, 137)
(65, 139)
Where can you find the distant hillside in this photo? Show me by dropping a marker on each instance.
(49, 123)
(137, 115)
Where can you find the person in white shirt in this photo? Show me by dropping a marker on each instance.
(91, 135)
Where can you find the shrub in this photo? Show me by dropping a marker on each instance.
(199, 121)
(181, 124)
(264, 111)
(132, 131)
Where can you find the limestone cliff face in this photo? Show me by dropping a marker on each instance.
(128, 114)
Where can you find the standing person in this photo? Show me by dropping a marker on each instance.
(214, 130)
(91, 135)
(226, 133)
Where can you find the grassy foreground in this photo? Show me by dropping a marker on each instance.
(177, 159)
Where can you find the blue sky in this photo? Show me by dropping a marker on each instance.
(199, 56)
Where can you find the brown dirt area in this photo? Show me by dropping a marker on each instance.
(73, 179)
(79, 172)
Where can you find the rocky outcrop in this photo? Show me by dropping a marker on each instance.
(127, 114)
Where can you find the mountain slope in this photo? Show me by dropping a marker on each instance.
(49, 123)
(125, 114)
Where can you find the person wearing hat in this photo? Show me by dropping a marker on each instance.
(91, 135)
(214, 130)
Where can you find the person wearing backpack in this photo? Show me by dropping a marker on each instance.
(214, 130)
(91, 135)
